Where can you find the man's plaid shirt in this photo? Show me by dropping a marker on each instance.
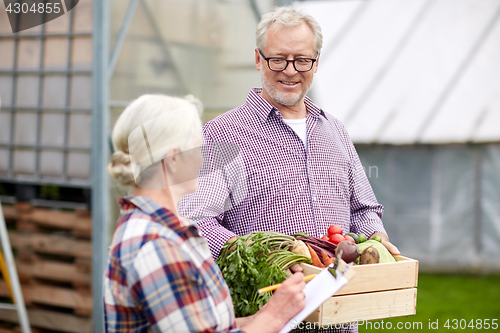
(161, 277)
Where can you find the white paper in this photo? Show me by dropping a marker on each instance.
(317, 291)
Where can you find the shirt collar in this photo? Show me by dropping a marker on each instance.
(160, 214)
(313, 109)
(263, 108)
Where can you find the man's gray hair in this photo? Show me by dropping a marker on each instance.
(287, 16)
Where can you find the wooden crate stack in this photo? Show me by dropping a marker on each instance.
(52, 249)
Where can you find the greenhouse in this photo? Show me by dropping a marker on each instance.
(416, 83)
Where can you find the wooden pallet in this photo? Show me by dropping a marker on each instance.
(51, 244)
(32, 219)
(53, 260)
(52, 321)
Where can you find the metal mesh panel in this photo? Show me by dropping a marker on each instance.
(45, 90)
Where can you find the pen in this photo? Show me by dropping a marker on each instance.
(276, 286)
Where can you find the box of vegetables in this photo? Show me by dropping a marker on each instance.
(383, 286)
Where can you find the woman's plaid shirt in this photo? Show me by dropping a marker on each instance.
(161, 277)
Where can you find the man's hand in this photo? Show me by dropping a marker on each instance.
(385, 241)
(230, 240)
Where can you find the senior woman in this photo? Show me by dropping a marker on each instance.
(160, 274)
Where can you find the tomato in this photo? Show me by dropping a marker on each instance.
(349, 238)
(336, 238)
(325, 237)
(334, 229)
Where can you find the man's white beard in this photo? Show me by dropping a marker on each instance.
(278, 96)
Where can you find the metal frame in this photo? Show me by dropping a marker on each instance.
(46, 35)
(52, 109)
(68, 96)
(51, 147)
(10, 173)
(38, 109)
(42, 71)
(100, 156)
(121, 37)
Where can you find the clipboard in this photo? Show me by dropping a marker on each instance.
(320, 289)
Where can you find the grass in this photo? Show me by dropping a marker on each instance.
(448, 297)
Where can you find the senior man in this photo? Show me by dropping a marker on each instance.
(298, 169)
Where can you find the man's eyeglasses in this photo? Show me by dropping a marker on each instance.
(280, 64)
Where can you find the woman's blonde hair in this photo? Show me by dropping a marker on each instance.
(162, 122)
(287, 16)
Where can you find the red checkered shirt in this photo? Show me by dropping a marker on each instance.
(161, 277)
(258, 175)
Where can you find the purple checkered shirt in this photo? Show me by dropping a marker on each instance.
(277, 183)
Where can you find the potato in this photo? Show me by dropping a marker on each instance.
(384, 254)
(369, 256)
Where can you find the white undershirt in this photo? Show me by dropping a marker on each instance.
(299, 126)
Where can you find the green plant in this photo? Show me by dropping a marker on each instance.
(255, 261)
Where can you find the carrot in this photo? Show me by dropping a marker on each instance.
(326, 259)
(314, 257)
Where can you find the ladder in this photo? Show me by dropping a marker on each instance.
(9, 273)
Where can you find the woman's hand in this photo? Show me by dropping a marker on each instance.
(287, 301)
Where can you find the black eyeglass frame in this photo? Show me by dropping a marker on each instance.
(287, 62)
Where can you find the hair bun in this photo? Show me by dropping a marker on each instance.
(120, 168)
(197, 103)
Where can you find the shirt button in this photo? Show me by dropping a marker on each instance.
(314, 198)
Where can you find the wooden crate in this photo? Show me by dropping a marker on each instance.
(376, 291)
